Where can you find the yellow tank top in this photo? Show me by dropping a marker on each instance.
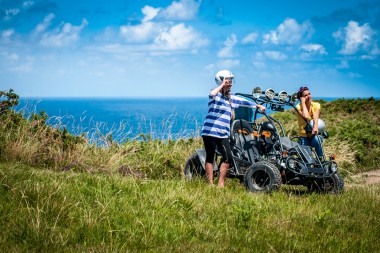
(301, 121)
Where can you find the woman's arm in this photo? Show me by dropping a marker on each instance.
(303, 111)
(315, 119)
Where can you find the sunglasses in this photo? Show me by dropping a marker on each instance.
(301, 90)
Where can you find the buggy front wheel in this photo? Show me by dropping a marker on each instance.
(334, 184)
(262, 177)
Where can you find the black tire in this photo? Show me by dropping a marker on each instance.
(262, 177)
(334, 184)
(193, 168)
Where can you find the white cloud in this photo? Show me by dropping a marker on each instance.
(9, 14)
(314, 48)
(274, 55)
(10, 56)
(19, 66)
(143, 32)
(355, 38)
(149, 12)
(7, 34)
(343, 65)
(164, 35)
(179, 37)
(250, 38)
(210, 68)
(228, 50)
(372, 55)
(12, 12)
(259, 64)
(375, 49)
(64, 35)
(13, 57)
(27, 4)
(181, 10)
(41, 27)
(229, 63)
(354, 75)
(368, 57)
(289, 33)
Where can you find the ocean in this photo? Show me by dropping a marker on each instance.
(123, 118)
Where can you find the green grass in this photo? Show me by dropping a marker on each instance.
(43, 210)
(62, 193)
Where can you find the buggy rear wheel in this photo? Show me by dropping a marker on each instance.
(262, 177)
(334, 184)
(193, 168)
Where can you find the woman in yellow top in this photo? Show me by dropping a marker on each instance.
(308, 110)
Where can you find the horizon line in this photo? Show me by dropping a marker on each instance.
(164, 97)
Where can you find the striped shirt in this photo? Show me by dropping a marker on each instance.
(218, 119)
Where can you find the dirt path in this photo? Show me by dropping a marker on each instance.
(366, 178)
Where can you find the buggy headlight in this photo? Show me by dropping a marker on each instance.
(282, 96)
(269, 93)
(256, 92)
(291, 163)
(333, 167)
(294, 98)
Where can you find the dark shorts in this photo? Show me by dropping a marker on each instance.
(223, 145)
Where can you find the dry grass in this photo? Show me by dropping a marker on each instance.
(30, 141)
(33, 142)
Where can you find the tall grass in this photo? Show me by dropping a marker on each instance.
(46, 211)
(44, 141)
(32, 141)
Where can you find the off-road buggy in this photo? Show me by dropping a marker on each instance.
(265, 158)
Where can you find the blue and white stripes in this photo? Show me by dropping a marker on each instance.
(218, 119)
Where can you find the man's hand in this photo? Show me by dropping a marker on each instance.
(262, 108)
(224, 82)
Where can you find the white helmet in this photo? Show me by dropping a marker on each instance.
(223, 74)
(321, 125)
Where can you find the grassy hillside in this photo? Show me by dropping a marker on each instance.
(60, 193)
(354, 128)
(45, 211)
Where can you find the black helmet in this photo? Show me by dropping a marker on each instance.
(267, 126)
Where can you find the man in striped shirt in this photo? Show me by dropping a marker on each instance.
(216, 128)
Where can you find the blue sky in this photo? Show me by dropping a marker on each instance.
(65, 48)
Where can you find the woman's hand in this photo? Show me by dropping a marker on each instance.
(315, 130)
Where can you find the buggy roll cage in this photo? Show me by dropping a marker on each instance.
(276, 102)
(271, 100)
